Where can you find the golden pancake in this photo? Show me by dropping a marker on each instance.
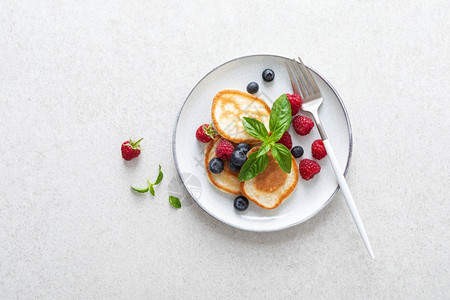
(227, 180)
(228, 109)
(271, 187)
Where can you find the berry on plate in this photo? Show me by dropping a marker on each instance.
(297, 151)
(241, 203)
(302, 125)
(216, 165)
(224, 149)
(234, 168)
(131, 149)
(286, 140)
(318, 150)
(252, 87)
(308, 168)
(205, 133)
(296, 103)
(243, 147)
(268, 75)
(238, 158)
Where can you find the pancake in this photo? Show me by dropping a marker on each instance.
(226, 181)
(271, 187)
(228, 109)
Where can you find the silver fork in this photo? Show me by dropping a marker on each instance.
(304, 84)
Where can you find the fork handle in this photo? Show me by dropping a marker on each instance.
(347, 195)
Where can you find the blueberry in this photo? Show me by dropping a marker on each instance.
(238, 158)
(252, 87)
(241, 203)
(297, 151)
(268, 75)
(216, 165)
(234, 168)
(242, 147)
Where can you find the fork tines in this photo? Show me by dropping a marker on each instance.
(301, 79)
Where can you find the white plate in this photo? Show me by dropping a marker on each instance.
(310, 196)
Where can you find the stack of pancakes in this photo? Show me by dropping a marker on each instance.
(271, 187)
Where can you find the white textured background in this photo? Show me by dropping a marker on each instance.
(77, 78)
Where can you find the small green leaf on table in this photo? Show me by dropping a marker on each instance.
(143, 190)
(174, 201)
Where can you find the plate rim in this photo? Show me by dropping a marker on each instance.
(349, 128)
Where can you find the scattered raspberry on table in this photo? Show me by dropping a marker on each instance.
(131, 149)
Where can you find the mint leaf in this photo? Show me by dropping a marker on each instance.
(253, 166)
(160, 176)
(175, 202)
(255, 128)
(280, 117)
(283, 157)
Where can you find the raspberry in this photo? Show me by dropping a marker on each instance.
(286, 140)
(308, 168)
(296, 103)
(318, 150)
(224, 149)
(131, 149)
(205, 133)
(302, 125)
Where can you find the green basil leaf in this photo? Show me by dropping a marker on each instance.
(283, 157)
(253, 166)
(255, 128)
(175, 202)
(265, 147)
(152, 190)
(160, 176)
(280, 117)
(144, 190)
